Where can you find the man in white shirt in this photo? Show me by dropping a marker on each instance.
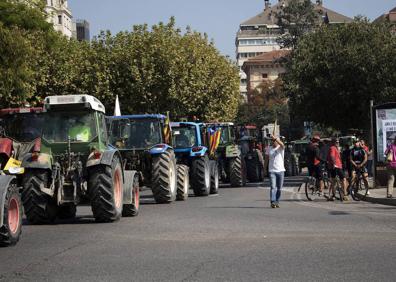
(276, 170)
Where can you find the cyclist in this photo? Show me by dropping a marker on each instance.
(358, 160)
(335, 169)
(314, 161)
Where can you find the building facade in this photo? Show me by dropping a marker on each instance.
(265, 67)
(387, 17)
(60, 16)
(260, 34)
(81, 30)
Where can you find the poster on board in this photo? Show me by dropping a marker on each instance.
(386, 130)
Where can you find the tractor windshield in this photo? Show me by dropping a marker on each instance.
(184, 136)
(78, 126)
(226, 137)
(22, 127)
(136, 133)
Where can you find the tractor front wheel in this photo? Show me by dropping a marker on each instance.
(130, 210)
(183, 182)
(200, 178)
(106, 192)
(39, 207)
(214, 177)
(237, 172)
(12, 218)
(164, 177)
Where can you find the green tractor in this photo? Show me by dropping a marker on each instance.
(231, 164)
(73, 163)
(145, 144)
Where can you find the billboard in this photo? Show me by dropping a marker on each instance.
(385, 130)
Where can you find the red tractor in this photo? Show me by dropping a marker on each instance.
(20, 124)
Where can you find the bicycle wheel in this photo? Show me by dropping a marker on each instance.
(339, 191)
(310, 190)
(354, 189)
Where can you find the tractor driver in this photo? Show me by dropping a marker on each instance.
(80, 131)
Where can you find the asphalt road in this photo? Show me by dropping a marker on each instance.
(234, 236)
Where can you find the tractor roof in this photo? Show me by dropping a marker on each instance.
(221, 123)
(12, 111)
(177, 124)
(68, 100)
(157, 116)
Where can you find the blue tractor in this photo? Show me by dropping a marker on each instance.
(195, 146)
(145, 144)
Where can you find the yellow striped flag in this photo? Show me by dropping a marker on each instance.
(214, 139)
(167, 129)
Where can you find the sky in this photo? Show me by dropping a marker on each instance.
(220, 19)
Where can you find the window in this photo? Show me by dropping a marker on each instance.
(59, 19)
(243, 82)
(265, 75)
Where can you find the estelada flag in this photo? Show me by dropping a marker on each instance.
(214, 139)
(167, 129)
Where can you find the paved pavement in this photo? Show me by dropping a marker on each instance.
(378, 196)
(234, 236)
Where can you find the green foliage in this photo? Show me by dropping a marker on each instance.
(17, 14)
(267, 103)
(151, 70)
(337, 70)
(16, 76)
(296, 18)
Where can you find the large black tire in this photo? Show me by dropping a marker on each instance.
(67, 212)
(106, 192)
(12, 219)
(253, 167)
(164, 178)
(237, 172)
(183, 182)
(214, 177)
(39, 208)
(130, 210)
(200, 176)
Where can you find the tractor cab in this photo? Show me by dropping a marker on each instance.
(188, 139)
(20, 130)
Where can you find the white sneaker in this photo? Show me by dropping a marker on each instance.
(368, 192)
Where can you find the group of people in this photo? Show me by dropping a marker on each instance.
(349, 163)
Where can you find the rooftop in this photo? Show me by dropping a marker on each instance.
(268, 16)
(268, 57)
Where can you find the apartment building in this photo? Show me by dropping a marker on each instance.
(60, 16)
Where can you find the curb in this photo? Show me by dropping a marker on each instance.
(381, 201)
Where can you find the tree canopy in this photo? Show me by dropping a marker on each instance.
(152, 70)
(336, 70)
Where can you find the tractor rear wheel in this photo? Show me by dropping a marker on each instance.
(130, 210)
(237, 172)
(214, 177)
(183, 182)
(164, 178)
(12, 219)
(39, 208)
(106, 192)
(200, 177)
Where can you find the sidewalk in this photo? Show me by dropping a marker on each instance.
(378, 196)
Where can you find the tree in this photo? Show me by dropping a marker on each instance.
(268, 103)
(296, 18)
(15, 13)
(337, 70)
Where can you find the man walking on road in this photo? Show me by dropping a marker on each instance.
(276, 170)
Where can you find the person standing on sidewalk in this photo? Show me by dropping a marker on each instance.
(390, 155)
(276, 170)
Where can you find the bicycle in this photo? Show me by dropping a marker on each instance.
(339, 192)
(312, 186)
(358, 186)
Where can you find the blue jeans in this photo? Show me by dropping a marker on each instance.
(276, 182)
